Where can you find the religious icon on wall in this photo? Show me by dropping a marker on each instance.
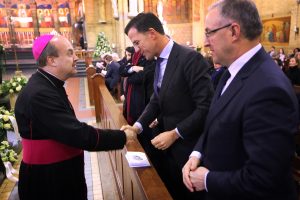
(21, 15)
(276, 31)
(64, 15)
(44, 15)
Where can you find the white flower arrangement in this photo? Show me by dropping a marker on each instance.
(5, 122)
(14, 85)
(7, 153)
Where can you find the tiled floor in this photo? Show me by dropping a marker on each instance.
(77, 92)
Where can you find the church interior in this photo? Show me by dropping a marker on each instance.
(86, 23)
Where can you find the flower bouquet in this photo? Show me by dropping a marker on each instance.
(14, 85)
(7, 153)
(8, 157)
(5, 122)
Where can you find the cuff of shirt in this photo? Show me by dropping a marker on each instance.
(205, 176)
(196, 154)
(139, 125)
(178, 133)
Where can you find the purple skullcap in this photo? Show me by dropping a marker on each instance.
(39, 45)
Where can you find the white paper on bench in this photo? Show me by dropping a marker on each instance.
(137, 159)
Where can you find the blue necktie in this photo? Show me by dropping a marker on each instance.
(222, 82)
(156, 76)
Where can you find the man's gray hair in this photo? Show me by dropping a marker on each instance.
(244, 12)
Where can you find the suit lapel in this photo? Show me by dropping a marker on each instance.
(169, 71)
(235, 86)
(218, 104)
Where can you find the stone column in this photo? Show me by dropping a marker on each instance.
(102, 14)
(133, 8)
(141, 6)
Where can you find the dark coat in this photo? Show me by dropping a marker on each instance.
(112, 77)
(183, 100)
(141, 84)
(44, 112)
(248, 139)
(293, 74)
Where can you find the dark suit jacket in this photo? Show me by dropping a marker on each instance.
(248, 141)
(112, 76)
(183, 100)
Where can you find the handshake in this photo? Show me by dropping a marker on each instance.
(130, 131)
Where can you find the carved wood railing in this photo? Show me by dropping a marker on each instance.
(90, 71)
(132, 183)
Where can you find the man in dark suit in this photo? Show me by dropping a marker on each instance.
(247, 146)
(112, 77)
(182, 94)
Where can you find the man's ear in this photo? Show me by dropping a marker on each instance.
(152, 32)
(236, 31)
(51, 61)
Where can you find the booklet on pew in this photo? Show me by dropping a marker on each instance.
(137, 159)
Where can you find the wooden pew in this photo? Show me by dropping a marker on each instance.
(90, 71)
(98, 80)
(132, 183)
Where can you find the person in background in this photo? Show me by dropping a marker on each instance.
(81, 41)
(280, 64)
(272, 52)
(125, 61)
(137, 95)
(182, 94)
(281, 55)
(112, 76)
(293, 72)
(295, 51)
(139, 87)
(297, 56)
(53, 139)
(247, 146)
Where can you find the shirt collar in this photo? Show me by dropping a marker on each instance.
(235, 67)
(167, 50)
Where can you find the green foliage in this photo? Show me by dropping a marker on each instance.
(7, 153)
(14, 85)
(102, 45)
